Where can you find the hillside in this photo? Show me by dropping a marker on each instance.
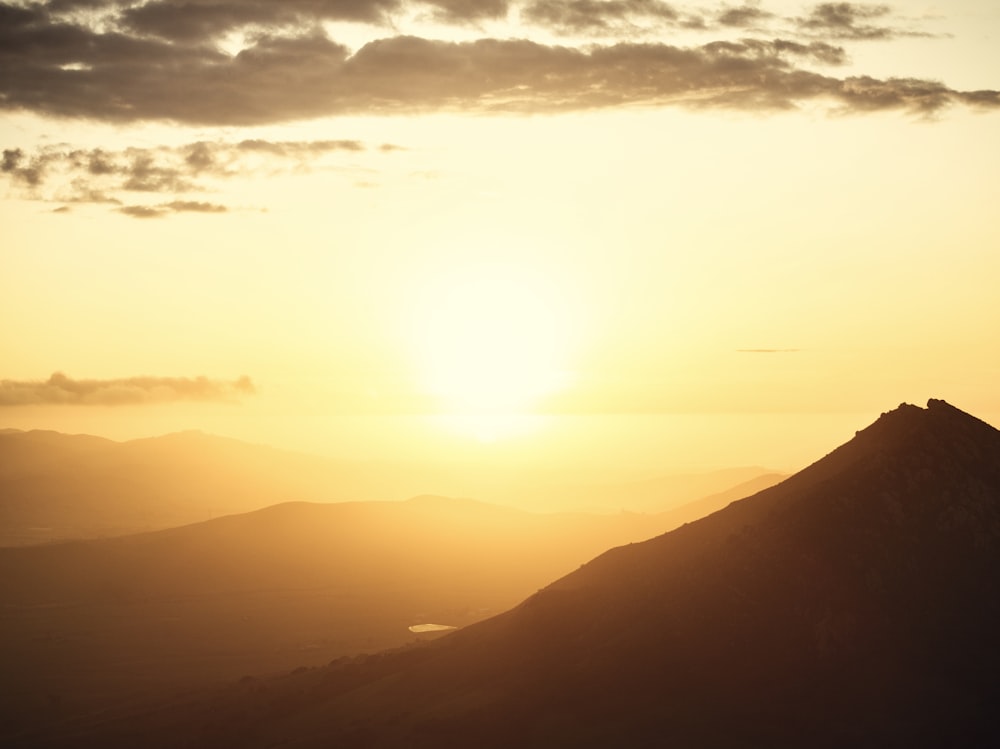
(854, 604)
(88, 624)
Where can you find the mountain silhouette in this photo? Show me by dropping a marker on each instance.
(857, 603)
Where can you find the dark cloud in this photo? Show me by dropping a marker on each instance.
(175, 206)
(53, 65)
(818, 52)
(143, 211)
(597, 16)
(67, 175)
(193, 21)
(852, 21)
(63, 390)
(200, 21)
(28, 171)
(467, 11)
(743, 17)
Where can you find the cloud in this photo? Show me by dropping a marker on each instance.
(122, 70)
(64, 174)
(844, 21)
(166, 209)
(743, 16)
(60, 389)
(852, 21)
(198, 21)
(598, 16)
(143, 211)
(21, 169)
(467, 11)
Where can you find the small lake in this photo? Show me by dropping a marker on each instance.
(431, 628)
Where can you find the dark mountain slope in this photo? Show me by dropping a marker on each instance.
(857, 603)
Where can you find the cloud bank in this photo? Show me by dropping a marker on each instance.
(165, 60)
(60, 389)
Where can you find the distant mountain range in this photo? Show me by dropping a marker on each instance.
(857, 603)
(661, 494)
(56, 487)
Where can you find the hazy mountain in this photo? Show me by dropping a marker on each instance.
(699, 508)
(87, 624)
(56, 486)
(856, 603)
(660, 494)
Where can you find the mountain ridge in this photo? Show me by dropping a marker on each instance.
(56, 487)
(855, 603)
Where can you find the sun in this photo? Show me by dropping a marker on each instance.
(490, 343)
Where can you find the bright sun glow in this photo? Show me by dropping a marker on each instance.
(490, 345)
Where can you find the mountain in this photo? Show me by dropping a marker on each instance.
(699, 508)
(857, 603)
(661, 494)
(89, 624)
(57, 487)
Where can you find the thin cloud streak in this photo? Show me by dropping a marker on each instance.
(60, 389)
(176, 206)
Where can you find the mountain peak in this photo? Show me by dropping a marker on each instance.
(939, 435)
(936, 407)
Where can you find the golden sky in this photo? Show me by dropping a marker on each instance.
(653, 232)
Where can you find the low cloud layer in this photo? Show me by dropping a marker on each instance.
(165, 60)
(63, 174)
(60, 389)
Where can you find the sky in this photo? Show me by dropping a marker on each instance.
(615, 236)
